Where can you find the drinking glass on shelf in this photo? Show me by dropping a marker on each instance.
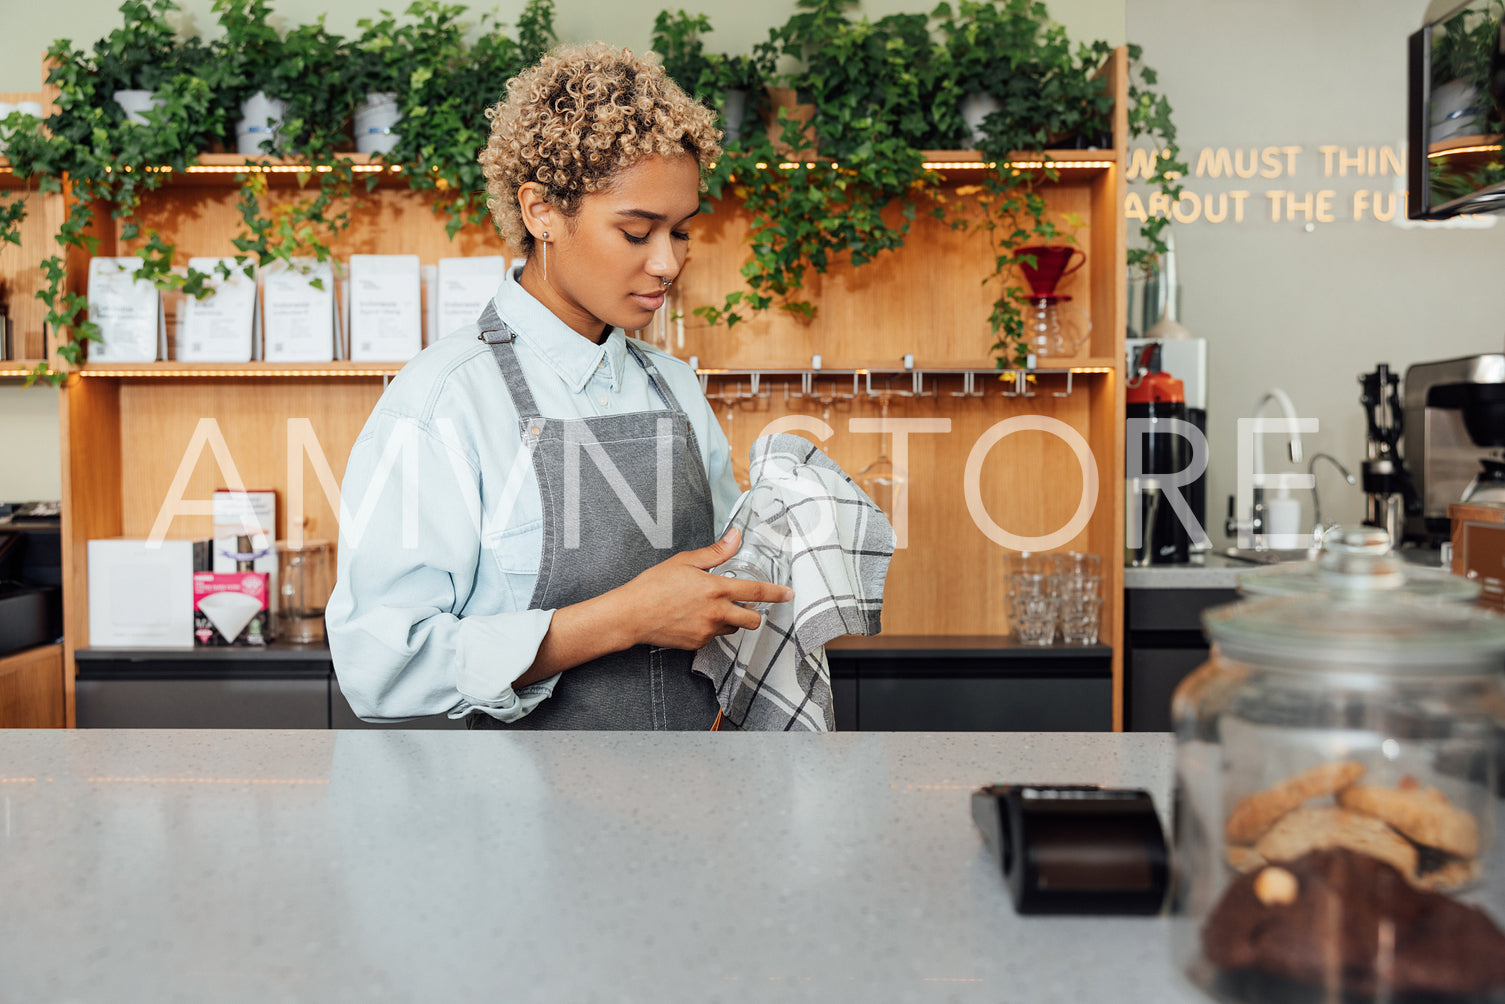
(1016, 564)
(730, 398)
(1076, 563)
(1080, 618)
(1034, 619)
(1076, 575)
(879, 479)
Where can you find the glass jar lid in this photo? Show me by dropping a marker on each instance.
(1360, 608)
(1358, 560)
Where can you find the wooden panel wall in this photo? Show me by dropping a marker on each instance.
(928, 298)
(198, 214)
(253, 417)
(949, 578)
(31, 689)
(21, 270)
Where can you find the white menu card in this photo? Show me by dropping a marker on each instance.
(298, 315)
(217, 329)
(466, 285)
(386, 315)
(127, 310)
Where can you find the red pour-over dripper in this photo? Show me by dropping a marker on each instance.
(1052, 264)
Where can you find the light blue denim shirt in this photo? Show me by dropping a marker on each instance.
(441, 528)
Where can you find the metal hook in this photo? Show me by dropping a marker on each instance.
(969, 386)
(1021, 385)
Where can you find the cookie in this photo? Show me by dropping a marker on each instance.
(1256, 814)
(1243, 859)
(1324, 827)
(1423, 814)
(1327, 938)
(1456, 874)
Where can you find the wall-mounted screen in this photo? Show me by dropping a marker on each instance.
(1457, 113)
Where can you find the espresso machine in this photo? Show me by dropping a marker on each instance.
(1454, 417)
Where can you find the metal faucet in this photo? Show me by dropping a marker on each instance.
(1316, 505)
(1284, 400)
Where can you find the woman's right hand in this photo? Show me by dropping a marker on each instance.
(675, 604)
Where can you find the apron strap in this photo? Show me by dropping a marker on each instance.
(494, 332)
(659, 383)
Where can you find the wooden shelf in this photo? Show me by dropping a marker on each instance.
(234, 371)
(275, 652)
(1079, 163)
(219, 170)
(889, 367)
(215, 169)
(1463, 154)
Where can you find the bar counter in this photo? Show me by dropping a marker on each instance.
(404, 866)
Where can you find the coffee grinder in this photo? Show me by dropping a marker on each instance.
(1389, 494)
(1186, 360)
(1157, 451)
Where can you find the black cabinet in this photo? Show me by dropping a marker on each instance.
(133, 701)
(887, 683)
(279, 687)
(922, 683)
(1164, 642)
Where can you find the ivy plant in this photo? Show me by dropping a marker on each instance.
(444, 112)
(1149, 115)
(816, 197)
(105, 158)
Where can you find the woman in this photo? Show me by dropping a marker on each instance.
(555, 572)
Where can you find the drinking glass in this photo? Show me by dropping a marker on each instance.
(879, 479)
(305, 578)
(1035, 619)
(1076, 563)
(762, 555)
(730, 399)
(1016, 564)
(1080, 617)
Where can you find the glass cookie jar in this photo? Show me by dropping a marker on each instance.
(1335, 805)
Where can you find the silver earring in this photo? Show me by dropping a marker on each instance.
(546, 254)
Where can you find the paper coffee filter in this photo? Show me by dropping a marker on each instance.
(229, 612)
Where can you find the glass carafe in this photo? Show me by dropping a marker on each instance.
(305, 578)
(1053, 328)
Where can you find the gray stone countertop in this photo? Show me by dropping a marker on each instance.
(409, 866)
(1215, 570)
(1206, 570)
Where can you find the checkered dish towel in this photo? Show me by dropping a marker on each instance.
(837, 544)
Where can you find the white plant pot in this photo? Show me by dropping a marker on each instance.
(974, 108)
(137, 104)
(261, 117)
(1455, 111)
(733, 111)
(31, 108)
(374, 121)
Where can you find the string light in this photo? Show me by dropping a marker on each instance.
(160, 370)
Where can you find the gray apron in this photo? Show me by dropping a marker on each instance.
(588, 470)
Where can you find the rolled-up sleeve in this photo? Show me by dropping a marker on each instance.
(410, 544)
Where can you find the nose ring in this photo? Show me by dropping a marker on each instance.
(667, 282)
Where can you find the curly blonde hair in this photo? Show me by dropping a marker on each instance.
(581, 115)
